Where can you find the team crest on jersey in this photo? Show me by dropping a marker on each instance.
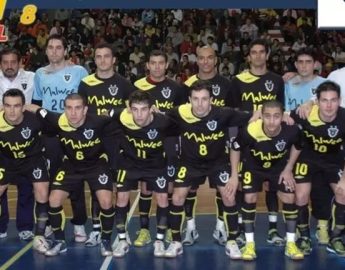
(37, 173)
(24, 86)
(313, 91)
(215, 89)
(269, 85)
(67, 77)
(161, 182)
(171, 171)
(280, 145)
(103, 178)
(224, 177)
(152, 134)
(26, 133)
(88, 133)
(332, 131)
(212, 125)
(166, 92)
(113, 89)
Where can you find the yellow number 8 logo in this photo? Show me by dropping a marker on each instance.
(29, 14)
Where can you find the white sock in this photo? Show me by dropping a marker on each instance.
(191, 224)
(290, 237)
(249, 237)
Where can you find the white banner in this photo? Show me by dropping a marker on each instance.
(331, 14)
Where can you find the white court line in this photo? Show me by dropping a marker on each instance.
(108, 259)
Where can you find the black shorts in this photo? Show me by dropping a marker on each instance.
(157, 180)
(69, 178)
(171, 148)
(35, 170)
(307, 171)
(252, 180)
(191, 176)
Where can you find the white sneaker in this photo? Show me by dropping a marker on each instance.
(117, 239)
(48, 231)
(190, 237)
(26, 235)
(79, 234)
(40, 244)
(106, 249)
(121, 249)
(3, 235)
(59, 246)
(220, 234)
(232, 250)
(159, 248)
(94, 239)
(175, 248)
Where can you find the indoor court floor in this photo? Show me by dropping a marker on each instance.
(205, 254)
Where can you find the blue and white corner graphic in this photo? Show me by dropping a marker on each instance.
(331, 14)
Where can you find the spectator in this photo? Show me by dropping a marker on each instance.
(249, 27)
(298, 44)
(136, 55)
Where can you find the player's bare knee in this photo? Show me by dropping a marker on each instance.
(162, 199)
(122, 199)
(250, 198)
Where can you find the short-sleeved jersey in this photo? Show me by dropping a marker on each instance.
(143, 146)
(105, 94)
(322, 140)
(203, 140)
(298, 92)
(221, 89)
(52, 87)
(83, 146)
(262, 152)
(24, 81)
(250, 91)
(165, 94)
(22, 141)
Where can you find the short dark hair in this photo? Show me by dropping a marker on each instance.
(327, 86)
(259, 41)
(14, 92)
(9, 50)
(105, 45)
(305, 51)
(200, 85)
(75, 96)
(272, 104)
(140, 96)
(158, 53)
(58, 37)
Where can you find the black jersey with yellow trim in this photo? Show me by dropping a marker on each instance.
(250, 91)
(82, 146)
(165, 94)
(322, 139)
(262, 152)
(143, 146)
(105, 94)
(203, 140)
(22, 141)
(221, 89)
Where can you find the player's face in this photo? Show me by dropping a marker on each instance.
(329, 103)
(75, 112)
(305, 65)
(157, 67)
(201, 102)
(13, 110)
(142, 113)
(272, 119)
(104, 59)
(55, 51)
(9, 65)
(206, 60)
(257, 56)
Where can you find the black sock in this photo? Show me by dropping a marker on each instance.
(144, 210)
(41, 217)
(190, 205)
(176, 217)
(231, 221)
(106, 218)
(57, 221)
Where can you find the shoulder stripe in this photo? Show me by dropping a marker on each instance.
(256, 131)
(191, 80)
(247, 77)
(91, 80)
(143, 84)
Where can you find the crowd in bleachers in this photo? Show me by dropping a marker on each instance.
(134, 33)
